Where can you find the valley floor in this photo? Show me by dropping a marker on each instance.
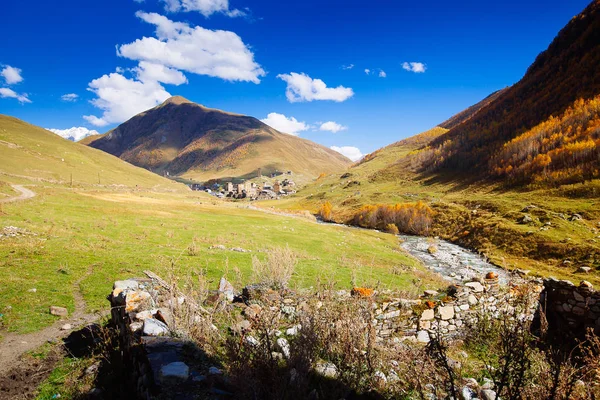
(549, 232)
(67, 241)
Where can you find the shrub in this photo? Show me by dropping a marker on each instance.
(326, 212)
(392, 228)
(277, 269)
(412, 218)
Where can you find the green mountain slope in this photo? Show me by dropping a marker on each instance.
(28, 152)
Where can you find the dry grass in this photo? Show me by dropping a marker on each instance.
(277, 269)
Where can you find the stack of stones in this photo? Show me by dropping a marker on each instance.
(571, 309)
(154, 358)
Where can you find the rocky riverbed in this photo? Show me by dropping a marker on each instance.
(451, 261)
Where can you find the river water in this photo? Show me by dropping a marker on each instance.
(452, 262)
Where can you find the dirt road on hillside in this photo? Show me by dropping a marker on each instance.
(25, 194)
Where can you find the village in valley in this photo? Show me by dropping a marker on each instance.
(259, 188)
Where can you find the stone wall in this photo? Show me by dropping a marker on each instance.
(447, 314)
(154, 358)
(570, 310)
(163, 365)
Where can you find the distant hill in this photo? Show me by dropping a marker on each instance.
(567, 71)
(33, 153)
(189, 140)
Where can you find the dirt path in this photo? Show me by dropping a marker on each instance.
(25, 194)
(13, 346)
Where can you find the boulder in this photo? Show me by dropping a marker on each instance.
(575, 217)
(446, 312)
(174, 372)
(526, 219)
(586, 285)
(475, 286)
(136, 300)
(59, 311)
(431, 293)
(66, 327)
(153, 327)
(427, 315)
(491, 275)
(226, 289)
(284, 346)
(127, 284)
(328, 370)
(214, 371)
(584, 270)
(423, 337)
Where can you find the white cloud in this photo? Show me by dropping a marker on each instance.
(284, 124)
(347, 67)
(301, 87)
(74, 134)
(11, 75)
(352, 153)
(415, 67)
(367, 71)
(382, 74)
(332, 127)
(9, 93)
(121, 98)
(218, 53)
(150, 72)
(69, 97)
(204, 7)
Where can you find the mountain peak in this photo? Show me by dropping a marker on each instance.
(177, 100)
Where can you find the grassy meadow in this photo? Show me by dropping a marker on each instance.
(485, 216)
(87, 238)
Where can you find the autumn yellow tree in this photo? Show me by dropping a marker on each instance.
(326, 212)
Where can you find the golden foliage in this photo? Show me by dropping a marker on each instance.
(563, 149)
(326, 212)
(411, 218)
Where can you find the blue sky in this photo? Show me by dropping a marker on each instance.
(264, 58)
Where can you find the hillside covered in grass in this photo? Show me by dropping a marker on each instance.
(30, 153)
(194, 142)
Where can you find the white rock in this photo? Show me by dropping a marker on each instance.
(66, 327)
(423, 337)
(328, 370)
(252, 341)
(475, 286)
(128, 284)
(381, 376)
(284, 346)
(214, 371)
(154, 327)
(467, 394)
(175, 371)
(446, 312)
(32, 290)
(293, 331)
(136, 326)
(427, 315)
(472, 300)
